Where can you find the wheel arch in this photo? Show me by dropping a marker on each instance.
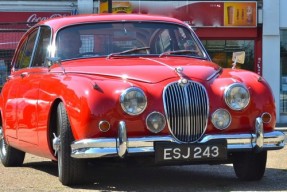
(52, 127)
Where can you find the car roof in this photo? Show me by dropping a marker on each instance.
(57, 23)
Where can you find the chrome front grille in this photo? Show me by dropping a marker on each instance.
(186, 108)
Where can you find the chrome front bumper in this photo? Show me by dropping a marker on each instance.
(119, 147)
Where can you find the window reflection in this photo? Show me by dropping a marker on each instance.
(221, 51)
(283, 65)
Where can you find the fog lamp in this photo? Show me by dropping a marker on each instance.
(221, 119)
(155, 122)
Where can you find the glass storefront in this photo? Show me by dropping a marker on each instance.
(221, 51)
(283, 69)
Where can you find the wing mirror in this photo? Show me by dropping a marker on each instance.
(238, 57)
(49, 61)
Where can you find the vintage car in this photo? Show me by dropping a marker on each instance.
(131, 86)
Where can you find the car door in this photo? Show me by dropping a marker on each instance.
(22, 104)
(20, 63)
(28, 92)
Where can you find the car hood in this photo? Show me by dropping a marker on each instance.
(145, 69)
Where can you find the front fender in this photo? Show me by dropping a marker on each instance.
(93, 101)
(261, 99)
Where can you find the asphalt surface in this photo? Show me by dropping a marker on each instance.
(39, 174)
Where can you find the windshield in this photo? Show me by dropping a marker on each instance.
(127, 38)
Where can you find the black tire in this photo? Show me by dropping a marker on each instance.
(10, 157)
(70, 170)
(250, 166)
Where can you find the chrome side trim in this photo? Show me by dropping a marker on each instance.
(107, 147)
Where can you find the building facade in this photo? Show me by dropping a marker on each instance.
(274, 49)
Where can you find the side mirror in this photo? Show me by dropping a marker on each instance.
(238, 57)
(49, 61)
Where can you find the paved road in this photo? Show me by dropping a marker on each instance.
(38, 174)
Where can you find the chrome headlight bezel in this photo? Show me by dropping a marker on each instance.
(241, 93)
(128, 104)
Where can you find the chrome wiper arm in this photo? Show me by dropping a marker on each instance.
(128, 51)
(178, 51)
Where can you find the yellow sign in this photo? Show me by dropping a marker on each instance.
(104, 7)
(240, 14)
(117, 7)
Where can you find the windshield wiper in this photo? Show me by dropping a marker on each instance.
(195, 53)
(128, 51)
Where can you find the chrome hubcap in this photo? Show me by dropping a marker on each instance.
(56, 143)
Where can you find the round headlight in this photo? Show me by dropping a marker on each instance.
(133, 101)
(237, 96)
(221, 119)
(155, 122)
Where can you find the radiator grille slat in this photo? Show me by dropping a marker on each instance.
(186, 108)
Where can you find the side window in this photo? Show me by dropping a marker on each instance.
(25, 54)
(41, 47)
(20, 54)
(68, 43)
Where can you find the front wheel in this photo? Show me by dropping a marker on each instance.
(249, 166)
(10, 157)
(70, 170)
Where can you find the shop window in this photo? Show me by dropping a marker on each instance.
(221, 51)
(283, 65)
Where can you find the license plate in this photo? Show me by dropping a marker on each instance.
(173, 152)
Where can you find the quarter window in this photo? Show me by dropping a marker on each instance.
(25, 54)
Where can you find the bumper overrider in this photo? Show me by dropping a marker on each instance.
(119, 147)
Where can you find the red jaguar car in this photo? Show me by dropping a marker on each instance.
(123, 85)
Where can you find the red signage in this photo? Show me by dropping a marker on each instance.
(12, 29)
(29, 17)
